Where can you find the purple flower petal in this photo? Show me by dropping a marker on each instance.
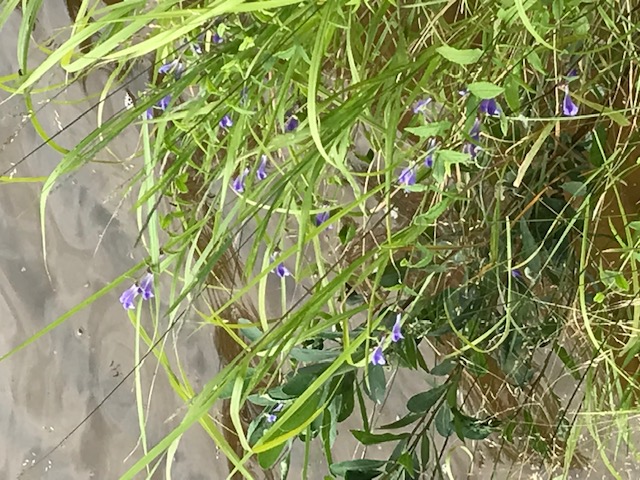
(146, 286)
(164, 102)
(217, 38)
(291, 124)
(261, 172)
(515, 273)
(196, 48)
(238, 182)
(489, 106)
(396, 332)
(148, 114)
(226, 122)
(282, 271)
(569, 109)
(377, 358)
(431, 149)
(407, 176)
(421, 105)
(271, 418)
(128, 296)
(321, 218)
(173, 65)
(474, 133)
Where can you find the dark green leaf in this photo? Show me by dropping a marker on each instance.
(422, 402)
(375, 386)
(424, 451)
(368, 438)
(444, 368)
(362, 475)
(444, 420)
(512, 93)
(361, 465)
(403, 422)
(309, 355)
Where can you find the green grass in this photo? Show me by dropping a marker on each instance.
(535, 199)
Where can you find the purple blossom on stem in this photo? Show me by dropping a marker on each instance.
(226, 122)
(515, 273)
(281, 270)
(128, 296)
(321, 218)
(271, 418)
(489, 106)
(396, 332)
(164, 102)
(377, 357)
(148, 114)
(421, 105)
(291, 123)
(408, 176)
(261, 172)
(569, 109)
(238, 182)
(431, 149)
(217, 38)
(196, 48)
(572, 74)
(170, 66)
(146, 286)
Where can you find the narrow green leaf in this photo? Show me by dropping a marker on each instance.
(423, 402)
(368, 438)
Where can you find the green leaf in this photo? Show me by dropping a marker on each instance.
(444, 368)
(512, 93)
(461, 57)
(430, 129)
(471, 428)
(444, 420)
(268, 459)
(424, 451)
(431, 215)
(403, 422)
(362, 475)
(376, 386)
(368, 438)
(422, 402)
(310, 355)
(485, 90)
(360, 465)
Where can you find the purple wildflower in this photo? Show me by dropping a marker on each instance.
(238, 182)
(474, 133)
(421, 105)
(226, 122)
(217, 38)
(128, 296)
(377, 358)
(148, 114)
(174, 65)
(271, 418)
(489, 106)
(164, 102)
(146, 286)
(291, 124)
(321, 218)
(572, 74)
(515, 273)
(569, 109)
(282, 271)
(261, 172)
(408, 176)
(396, 332)
(431, 149)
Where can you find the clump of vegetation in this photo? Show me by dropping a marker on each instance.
(449, 179)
